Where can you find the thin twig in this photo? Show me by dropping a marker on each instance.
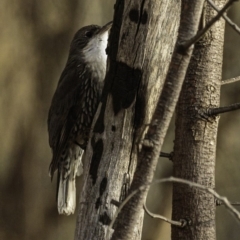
(227, 19)
(234, 203)
(124, 203)
(182, 223)
(200, 33)
(219, 110)
(219, 203)
(222, 199)
(166, 155)
(230, 80)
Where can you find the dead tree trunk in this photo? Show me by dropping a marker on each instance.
(141, 42)
(196, 135)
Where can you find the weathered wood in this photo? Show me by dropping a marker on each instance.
(196, 135)
(141, 44)
(149, 155)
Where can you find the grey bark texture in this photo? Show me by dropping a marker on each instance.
(196, 135)
(149, 154)
(139, 55)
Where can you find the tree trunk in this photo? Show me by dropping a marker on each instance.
(139, 56)
(196, 135)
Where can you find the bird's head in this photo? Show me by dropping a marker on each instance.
(90, 43)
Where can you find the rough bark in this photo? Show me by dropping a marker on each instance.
(149, 155)
(139, 56)
(196, 135)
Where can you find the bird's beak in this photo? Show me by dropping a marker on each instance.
(105, 28)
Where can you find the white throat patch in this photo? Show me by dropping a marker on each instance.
(95, 54)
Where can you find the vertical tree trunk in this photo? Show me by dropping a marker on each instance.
(196, 135)
(139, 56)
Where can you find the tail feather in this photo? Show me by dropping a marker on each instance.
(66, 193)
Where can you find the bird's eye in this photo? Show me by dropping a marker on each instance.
(88, 34)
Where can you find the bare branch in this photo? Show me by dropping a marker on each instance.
(166, 155)
(227, 19)
(121, 207)
(181, 223)
(219, 110)
(234, 203)
(224, 201)
(193, 40)
(219, 203)
(230, 80)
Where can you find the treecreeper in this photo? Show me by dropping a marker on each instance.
(73, 107)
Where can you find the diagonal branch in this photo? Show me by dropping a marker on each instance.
(227, 19)
(194, 39)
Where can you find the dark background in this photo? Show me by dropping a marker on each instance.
(34, 42)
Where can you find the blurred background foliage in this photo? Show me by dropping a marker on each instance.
(34, 42)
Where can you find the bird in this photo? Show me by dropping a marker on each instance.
(73, 107)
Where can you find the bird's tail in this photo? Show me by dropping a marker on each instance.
(66, 194)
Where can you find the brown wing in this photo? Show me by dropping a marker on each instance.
(63, 112)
